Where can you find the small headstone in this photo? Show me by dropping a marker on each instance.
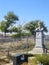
(19, 59)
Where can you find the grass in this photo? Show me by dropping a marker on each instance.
(19, 47)
(15, 47)
(32, 62)
(3, 61)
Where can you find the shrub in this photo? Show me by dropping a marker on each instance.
(44, 59)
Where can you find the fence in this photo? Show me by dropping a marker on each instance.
(16, 45)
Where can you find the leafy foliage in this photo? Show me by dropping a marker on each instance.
(3, 26)
(10, 18)
(14, 29)
(44, 59)
(32, 25)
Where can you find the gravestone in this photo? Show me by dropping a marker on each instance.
(20, 58)
(39, 46)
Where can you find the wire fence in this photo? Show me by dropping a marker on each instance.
(16, 45)
(19, 45)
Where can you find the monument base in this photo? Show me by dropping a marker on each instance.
(37, 51)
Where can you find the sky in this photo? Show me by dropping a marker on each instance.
(26, 10)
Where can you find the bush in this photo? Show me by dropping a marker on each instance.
(44, 59)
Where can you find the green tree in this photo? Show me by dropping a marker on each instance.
(32, 25)
(9, 20)
(14, 29)
(3, 27)
(19, 32)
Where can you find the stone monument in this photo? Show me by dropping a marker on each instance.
(39, 46)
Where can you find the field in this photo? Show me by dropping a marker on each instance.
(13, 47)
(17, 46)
